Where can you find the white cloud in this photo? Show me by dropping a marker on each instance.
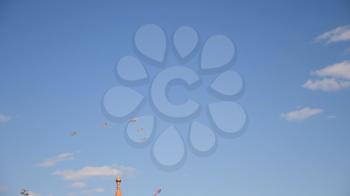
(88, 172)
(326, 84)
(78, 185)
(5, 118)
(330, 78)
(301, 114)
(338, 34)
(56, 159)
(339, 70)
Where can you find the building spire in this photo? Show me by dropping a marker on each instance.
(118, 191)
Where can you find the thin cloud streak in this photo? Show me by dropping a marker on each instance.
(5, 118)
(326, 84)
(3, 188)
(56, 159)
(339, 34)
(78, 185)
(92, 191)
(88, 172)
(301, 114)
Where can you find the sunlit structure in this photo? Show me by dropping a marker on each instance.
(118, 192)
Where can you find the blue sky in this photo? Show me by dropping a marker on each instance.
(58, 58)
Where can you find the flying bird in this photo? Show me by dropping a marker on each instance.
(157, 192)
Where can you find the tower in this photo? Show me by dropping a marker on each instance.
(118, 191)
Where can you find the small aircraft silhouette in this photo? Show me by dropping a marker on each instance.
(24, 192)
(104, 125)
(73, 133)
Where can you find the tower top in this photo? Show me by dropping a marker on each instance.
(118, 191)
(118, 179)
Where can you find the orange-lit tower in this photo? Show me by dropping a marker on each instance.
(118, 191)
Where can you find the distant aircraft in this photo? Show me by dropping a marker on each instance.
(132, 120)
(104, 125)
(73, 133)
(157, 192)
(24, 192)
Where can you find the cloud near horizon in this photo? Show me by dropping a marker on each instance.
(87, 172)
(56, 159)
(301, 114)
(339, 34)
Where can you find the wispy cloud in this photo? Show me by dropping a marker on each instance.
(88, 172)
(330, 78)
(5, 118)
(94, 190)
(301, 114)
(78, 185)
(326, 84)
(3, 188)
(56, 159)
(34, 194)
(339, 34)
(71, 194)
(331, 116)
